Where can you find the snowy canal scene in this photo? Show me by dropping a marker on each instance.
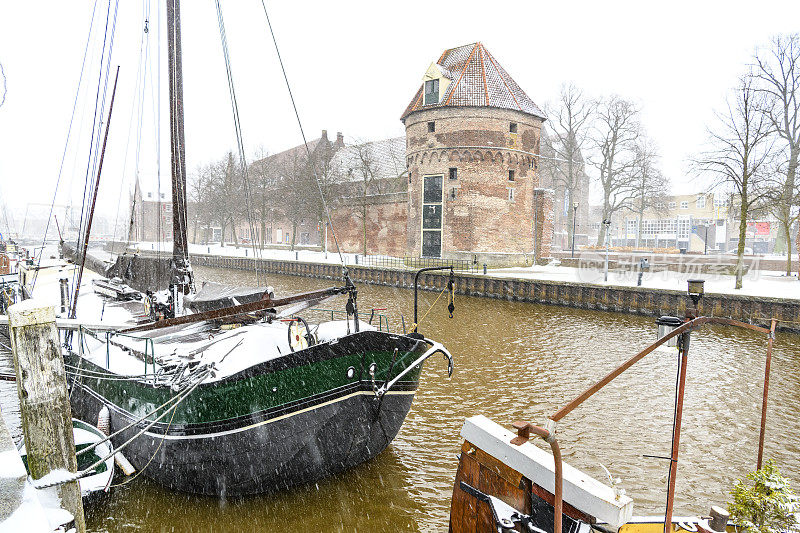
(542, 273)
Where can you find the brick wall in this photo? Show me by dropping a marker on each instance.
(543, 222)
(387, 218)
(482, 218)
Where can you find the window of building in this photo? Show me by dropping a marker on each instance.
(701, 201)
(672, 205)
(512, 128)
(684, 205)
(431, 92)
(721, 202)
(453, 173)
(510, 175)
(510, 194)
(162, 195)
(149, 195)
(431, 127)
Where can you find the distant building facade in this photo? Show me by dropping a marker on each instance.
(472, 145)
(699, 222)
(462, 183)
(151, 217)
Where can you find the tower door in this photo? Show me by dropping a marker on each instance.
(432, 216)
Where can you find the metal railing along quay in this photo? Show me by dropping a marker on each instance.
(415, 263)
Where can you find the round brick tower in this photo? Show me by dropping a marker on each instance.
(472, 147)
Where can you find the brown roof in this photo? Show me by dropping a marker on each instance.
(477, 79)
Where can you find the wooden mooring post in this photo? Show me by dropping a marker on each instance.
(44, 403)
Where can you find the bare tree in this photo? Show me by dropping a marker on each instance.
(3, 90)
(569, 124)
(615, 136)
(778, 71)
(739, 156)
(200, 199)
(265, 177)
(650, 186)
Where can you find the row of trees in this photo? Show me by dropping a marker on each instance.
(754, 147)
(278, 189)
(624, 158)
(286, 187)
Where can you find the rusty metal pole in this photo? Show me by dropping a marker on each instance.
(676, 436)
(770, 339)
(85, 244)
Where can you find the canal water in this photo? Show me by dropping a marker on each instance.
(515, 361)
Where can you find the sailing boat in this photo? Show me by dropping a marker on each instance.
(227, 395)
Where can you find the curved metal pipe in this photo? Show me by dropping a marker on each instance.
(524, 429)
(435, 347)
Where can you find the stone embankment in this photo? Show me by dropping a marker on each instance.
(635, 300)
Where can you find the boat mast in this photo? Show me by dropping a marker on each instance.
(181, 270)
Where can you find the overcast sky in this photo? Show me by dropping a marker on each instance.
(354, 66)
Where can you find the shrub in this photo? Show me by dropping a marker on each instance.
(765, 503)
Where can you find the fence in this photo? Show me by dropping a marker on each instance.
(415, 263)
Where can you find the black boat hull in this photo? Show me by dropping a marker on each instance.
(267, 456)
(273, 446)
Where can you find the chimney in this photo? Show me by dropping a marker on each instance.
(339, 138)
(324, 135)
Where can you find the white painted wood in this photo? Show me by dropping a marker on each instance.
(75, 323)
(579, 490)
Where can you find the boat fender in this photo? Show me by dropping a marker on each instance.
(104, 421)
(104, 425)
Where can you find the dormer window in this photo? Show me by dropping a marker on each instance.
(512, 128)
(431, 92)
(431, 127)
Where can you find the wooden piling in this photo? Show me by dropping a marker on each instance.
(44, 403)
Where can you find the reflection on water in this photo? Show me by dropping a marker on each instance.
(519, 361)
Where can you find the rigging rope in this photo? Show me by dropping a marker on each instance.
(90, 469)
(66, 145)
(415, 324)
(305, 142)
(140, 76)
(238, 129)
(88, 190)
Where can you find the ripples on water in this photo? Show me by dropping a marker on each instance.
(519, 361)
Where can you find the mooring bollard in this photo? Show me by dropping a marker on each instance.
(44, 404)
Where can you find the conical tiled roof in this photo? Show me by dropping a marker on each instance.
(476, 79)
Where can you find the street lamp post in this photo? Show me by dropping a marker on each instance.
(607, 224)
(574, 217)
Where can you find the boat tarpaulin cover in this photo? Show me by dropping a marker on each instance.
(213, 296)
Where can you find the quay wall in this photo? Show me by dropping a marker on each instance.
(622, 299)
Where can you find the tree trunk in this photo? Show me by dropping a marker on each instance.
(570, 222)
(364, 224)
(233, 230)
(263, 233)
(223, 226)
(294, 233)
(742, 238)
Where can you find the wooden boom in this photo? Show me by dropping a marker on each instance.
(251, 307)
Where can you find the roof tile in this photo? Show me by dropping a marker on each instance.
(477, 80)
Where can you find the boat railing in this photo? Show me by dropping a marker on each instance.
(149, 347)
(383, 320)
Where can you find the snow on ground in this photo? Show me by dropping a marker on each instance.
(755, 283)
(765, 283)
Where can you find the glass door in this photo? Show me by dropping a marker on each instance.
(432, 216)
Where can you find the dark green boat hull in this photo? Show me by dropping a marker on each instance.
(287, 421)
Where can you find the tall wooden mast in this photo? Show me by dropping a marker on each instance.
(181, 271)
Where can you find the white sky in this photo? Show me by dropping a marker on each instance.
(354, 66)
